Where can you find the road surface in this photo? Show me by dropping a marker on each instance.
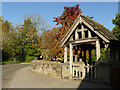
(8, 72)
(21, 76)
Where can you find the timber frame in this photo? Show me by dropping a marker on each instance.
(87, 34)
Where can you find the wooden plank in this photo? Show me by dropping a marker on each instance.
(83, 33)
(86, 40)
(106, 53)
(71, 58)
(89, 34)
(80, 30)
(65, 54)
(98, 50)
(76, 34)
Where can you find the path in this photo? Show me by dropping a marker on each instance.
(25, 78)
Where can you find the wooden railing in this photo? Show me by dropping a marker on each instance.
(88, 72)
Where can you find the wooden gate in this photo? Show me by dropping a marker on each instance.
(81, 71)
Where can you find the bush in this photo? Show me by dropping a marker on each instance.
(11, 61)
(30, 58)
(5, 62)
(14, 61)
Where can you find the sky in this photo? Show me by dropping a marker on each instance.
(102, 12)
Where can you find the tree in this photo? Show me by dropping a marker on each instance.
(67, 18)
(46, 42)
(8, 35)
(28, 39)
(116, 29)
(65, 21)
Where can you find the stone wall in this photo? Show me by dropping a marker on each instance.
(65, 70)
(55, 69)
(47, 68)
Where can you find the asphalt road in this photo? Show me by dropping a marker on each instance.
(21, 76)
(8, 72)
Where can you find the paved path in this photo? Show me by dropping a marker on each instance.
(25, 78)
(8, 72)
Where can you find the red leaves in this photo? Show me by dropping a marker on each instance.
(68, 15)
(90, 17)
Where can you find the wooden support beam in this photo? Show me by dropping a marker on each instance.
(76, 34)
(89, 34)
(71, 38)
(80, 30)
(84, 55)
(65, 54)
(75, 53)
(83, 33)
(106, 53)
(85, 40)
(71, 57)
(98, 50)
(90, 59)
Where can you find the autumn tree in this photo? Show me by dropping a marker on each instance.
(46, 42)
(65, 21)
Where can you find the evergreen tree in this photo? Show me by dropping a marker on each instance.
(116, 29)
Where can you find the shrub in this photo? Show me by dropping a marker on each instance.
(30, 58)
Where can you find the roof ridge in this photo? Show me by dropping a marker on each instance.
(96, 24)
(92, 20)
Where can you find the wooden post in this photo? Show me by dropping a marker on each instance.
(76, 53)
(81, 52)
(65, 54)
(89, 34)
(76, 34)
(76, 73)
(95, 72)
(71, 38)
(73, 72)
(85, 55)
(98, 50)
(106, 53)
(90, 60)
(91, 72)
(83, 33)
(88, 68)
(71, 57)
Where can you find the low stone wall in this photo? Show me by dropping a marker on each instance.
(47, 68)
(52, 68)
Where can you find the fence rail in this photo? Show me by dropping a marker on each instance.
(88, 72)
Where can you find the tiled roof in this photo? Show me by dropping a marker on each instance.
(99, 27)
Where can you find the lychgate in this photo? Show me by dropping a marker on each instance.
(85, 35)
